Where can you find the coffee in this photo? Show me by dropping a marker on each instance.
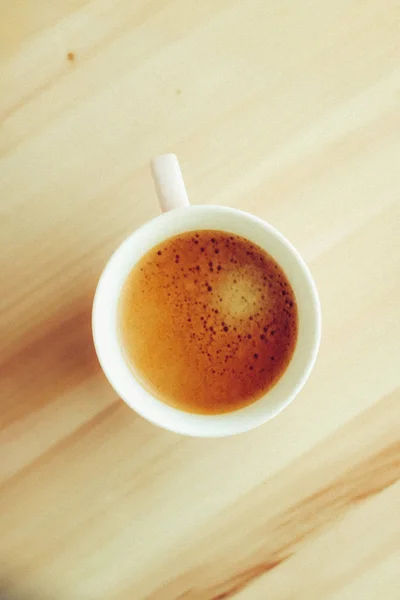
(208, 322)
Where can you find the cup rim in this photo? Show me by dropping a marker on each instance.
(165, 416)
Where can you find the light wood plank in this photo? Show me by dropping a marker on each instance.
(289, 110)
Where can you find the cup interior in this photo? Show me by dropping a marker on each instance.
(105, 320)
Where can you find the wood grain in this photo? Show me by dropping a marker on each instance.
(289, 110)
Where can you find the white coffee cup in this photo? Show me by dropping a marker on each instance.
(178, 217)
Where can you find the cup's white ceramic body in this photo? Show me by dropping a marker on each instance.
(105, 320)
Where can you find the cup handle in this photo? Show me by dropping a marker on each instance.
(168, 180)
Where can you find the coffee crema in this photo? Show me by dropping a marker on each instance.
(208, 322)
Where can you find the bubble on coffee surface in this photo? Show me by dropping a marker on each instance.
(209, 320)
(241, 296)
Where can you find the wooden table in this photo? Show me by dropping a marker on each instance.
(290, 110)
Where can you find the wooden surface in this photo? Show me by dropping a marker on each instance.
(290, 110)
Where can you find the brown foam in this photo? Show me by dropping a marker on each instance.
(208, 321)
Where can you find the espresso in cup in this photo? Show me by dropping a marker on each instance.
(208, 322)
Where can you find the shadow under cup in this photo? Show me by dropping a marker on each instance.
(105, 320)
